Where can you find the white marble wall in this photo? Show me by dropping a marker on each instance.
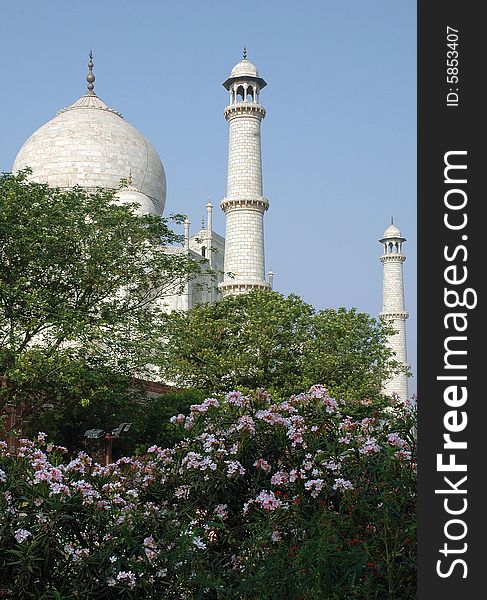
(398, 384)
(244, 157)
(393, 283)
(393, 310)
(244, 254)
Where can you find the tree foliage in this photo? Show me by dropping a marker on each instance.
(264, 339)
(82, 279)
(109, 399)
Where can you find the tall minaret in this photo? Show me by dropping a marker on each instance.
(244, 204)
(393, 309)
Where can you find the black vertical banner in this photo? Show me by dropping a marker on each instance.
(452, 359)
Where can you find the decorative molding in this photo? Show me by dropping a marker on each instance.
(242, 287)
(247, 109)
(395, 257)
(394, 315)
(261, 204)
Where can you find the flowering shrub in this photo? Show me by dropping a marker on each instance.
(295, 499)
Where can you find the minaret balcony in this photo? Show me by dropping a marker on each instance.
(392, 257)
(235, 287)
(261, 204)
(394, 314)
(244, 108)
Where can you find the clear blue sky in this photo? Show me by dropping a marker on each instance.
(339, 139)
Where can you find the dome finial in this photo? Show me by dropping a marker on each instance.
(245, 53)
(90, 78)
(392, 220)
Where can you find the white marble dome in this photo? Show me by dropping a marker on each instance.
(392, 232)
(131, 195)
(244, 69)
(91, 145)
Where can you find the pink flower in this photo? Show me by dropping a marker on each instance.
(246, 424)
(60, 449)
(367, 423)
(318, 391)
(331, 465)
(221, 511)
(395, 440)
(194, 460)
(41, 475)
(268, 500)
(307, 464)
(189, 422)
(154, 449)
(236, 399)
(79, 554)
(55, 474)
(86, 489)
(59, 488)
(127, 577)
(347, 424)
(314, 486)
(370, 446)
(403, 455)
(296, 474)
(150, 548)
(262, 464)
(275, 536)
(296, 430)
(342, 484)
(199, 543)
(182, 491)
(79, 464)
(204, 406)
(178, 419)
(271, 417)
(233, 466)
(287, 407)
(280, 478)
(21, 535)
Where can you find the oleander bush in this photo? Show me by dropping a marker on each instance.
(261, 499)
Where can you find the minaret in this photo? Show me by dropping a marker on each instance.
(393, 309)
(244, 204)
(209, 231)
(185, 297)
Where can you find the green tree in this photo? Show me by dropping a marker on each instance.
(82, 283)
(108, 399)
(283, 344)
